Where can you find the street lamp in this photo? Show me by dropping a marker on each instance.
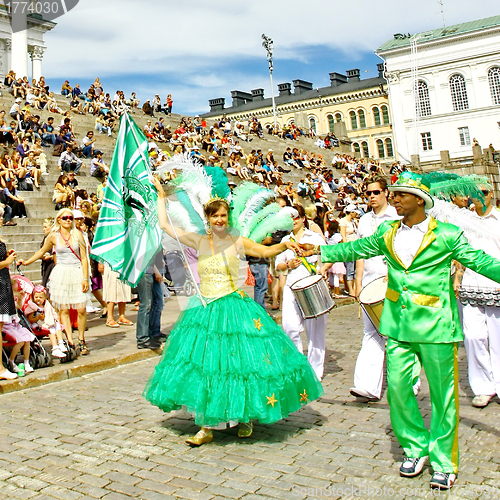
(268, 45)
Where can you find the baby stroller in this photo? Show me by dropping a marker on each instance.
(177, 277)
(40, 333)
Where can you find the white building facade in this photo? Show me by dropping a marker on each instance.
(444, 89)
(22, 51)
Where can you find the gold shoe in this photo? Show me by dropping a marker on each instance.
(245, 430)
(203, 436)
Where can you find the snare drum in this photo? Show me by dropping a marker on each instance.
(313, 296)
(372, 298)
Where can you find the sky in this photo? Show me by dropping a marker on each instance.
(198, 50)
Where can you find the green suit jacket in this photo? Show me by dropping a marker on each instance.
(420, 304)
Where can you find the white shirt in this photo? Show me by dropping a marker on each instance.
(491, 246)
(375, 267)
(408, 240)
(301, 271)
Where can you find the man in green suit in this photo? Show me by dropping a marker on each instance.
(420, 317)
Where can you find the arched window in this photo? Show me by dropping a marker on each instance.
(380, 148)
(354, 120)
(388, 147)
(458, 93)
(376, 116)
(356, 148)
(362, 119)
(338, 117)
(494, 81)
(364, 147)
(385, 114)
(312, 123)
(331, 123)
(423, 103)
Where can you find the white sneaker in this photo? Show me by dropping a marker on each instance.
(28, 368)
(45, 173)
(57, 353)
(62, 346)
(443, 480)
(482, 400)
(13, 366)
(7, 375)
(412, 467)
(361, 393)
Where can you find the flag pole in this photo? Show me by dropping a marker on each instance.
(146, 160)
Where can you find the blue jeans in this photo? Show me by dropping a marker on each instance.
(260, 273)
(150, 308)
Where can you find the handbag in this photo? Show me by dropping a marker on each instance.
(59, 149)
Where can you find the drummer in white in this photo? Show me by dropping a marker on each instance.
(293, 323)
(369, 371)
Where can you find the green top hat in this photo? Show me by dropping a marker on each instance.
(410, 182)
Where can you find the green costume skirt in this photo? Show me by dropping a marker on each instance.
(231, 362)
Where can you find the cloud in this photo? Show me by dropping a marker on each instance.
(208, 47)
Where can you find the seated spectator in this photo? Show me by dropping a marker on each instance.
(18, 89)
(42, 85)
(52, 106)
(17, 166)
(69, 162)
(168, 104)
(66, 89)
(8, 136)
(147, 109)
(133, 102)
(15, 111)
(14, 200)
(101, 125)
(48, 132)
(157, 104)
(81, 195)
(97, 166)
(23, 147)
(76, 93)
(9, 79)
(33, 170)
(88, 144)
(63, 194)
(34, 128)
(40, 157)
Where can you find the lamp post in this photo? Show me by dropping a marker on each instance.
(268, 45)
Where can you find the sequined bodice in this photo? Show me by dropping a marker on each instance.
(218, 274)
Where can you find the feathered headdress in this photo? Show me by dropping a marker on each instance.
(253, 214)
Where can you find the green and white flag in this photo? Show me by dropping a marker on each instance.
(128, 235)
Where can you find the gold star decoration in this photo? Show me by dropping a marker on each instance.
(271, 400)
(258, 324)
(267, 360)
(303, 396)
(241, 293)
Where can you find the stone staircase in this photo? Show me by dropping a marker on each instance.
(26, 237)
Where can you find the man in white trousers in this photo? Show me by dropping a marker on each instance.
(369, 370)
(293, 323)
(481, 324)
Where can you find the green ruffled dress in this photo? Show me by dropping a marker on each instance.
(229, 361)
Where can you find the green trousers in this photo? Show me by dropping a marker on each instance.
(440, 363)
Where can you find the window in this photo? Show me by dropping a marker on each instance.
(458, 93)
(463, 132)
(423, 103)
(385, 114)
(362, 119)
(380, 148)
(366, 152)
(494, 80)
(354, 120)
(338, 117)
(312, 123)
(376, 116)
(331, 123)
(356, 148)
(388, 146)
(426, 141)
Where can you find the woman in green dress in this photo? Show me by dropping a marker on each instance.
(227, 362)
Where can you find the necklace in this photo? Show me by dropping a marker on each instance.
(66, 241)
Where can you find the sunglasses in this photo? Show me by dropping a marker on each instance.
(375, 192)
(66, 217)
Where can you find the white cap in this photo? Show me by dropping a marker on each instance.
(292, 211)
(19, 99)
(352, 208)
(77, 214)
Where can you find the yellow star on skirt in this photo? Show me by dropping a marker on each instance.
(303, 396)
(271, 400)
(241, 293)
(258, 324)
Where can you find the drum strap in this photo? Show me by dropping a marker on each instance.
(310, 267)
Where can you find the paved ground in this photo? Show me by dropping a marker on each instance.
(94, 436)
